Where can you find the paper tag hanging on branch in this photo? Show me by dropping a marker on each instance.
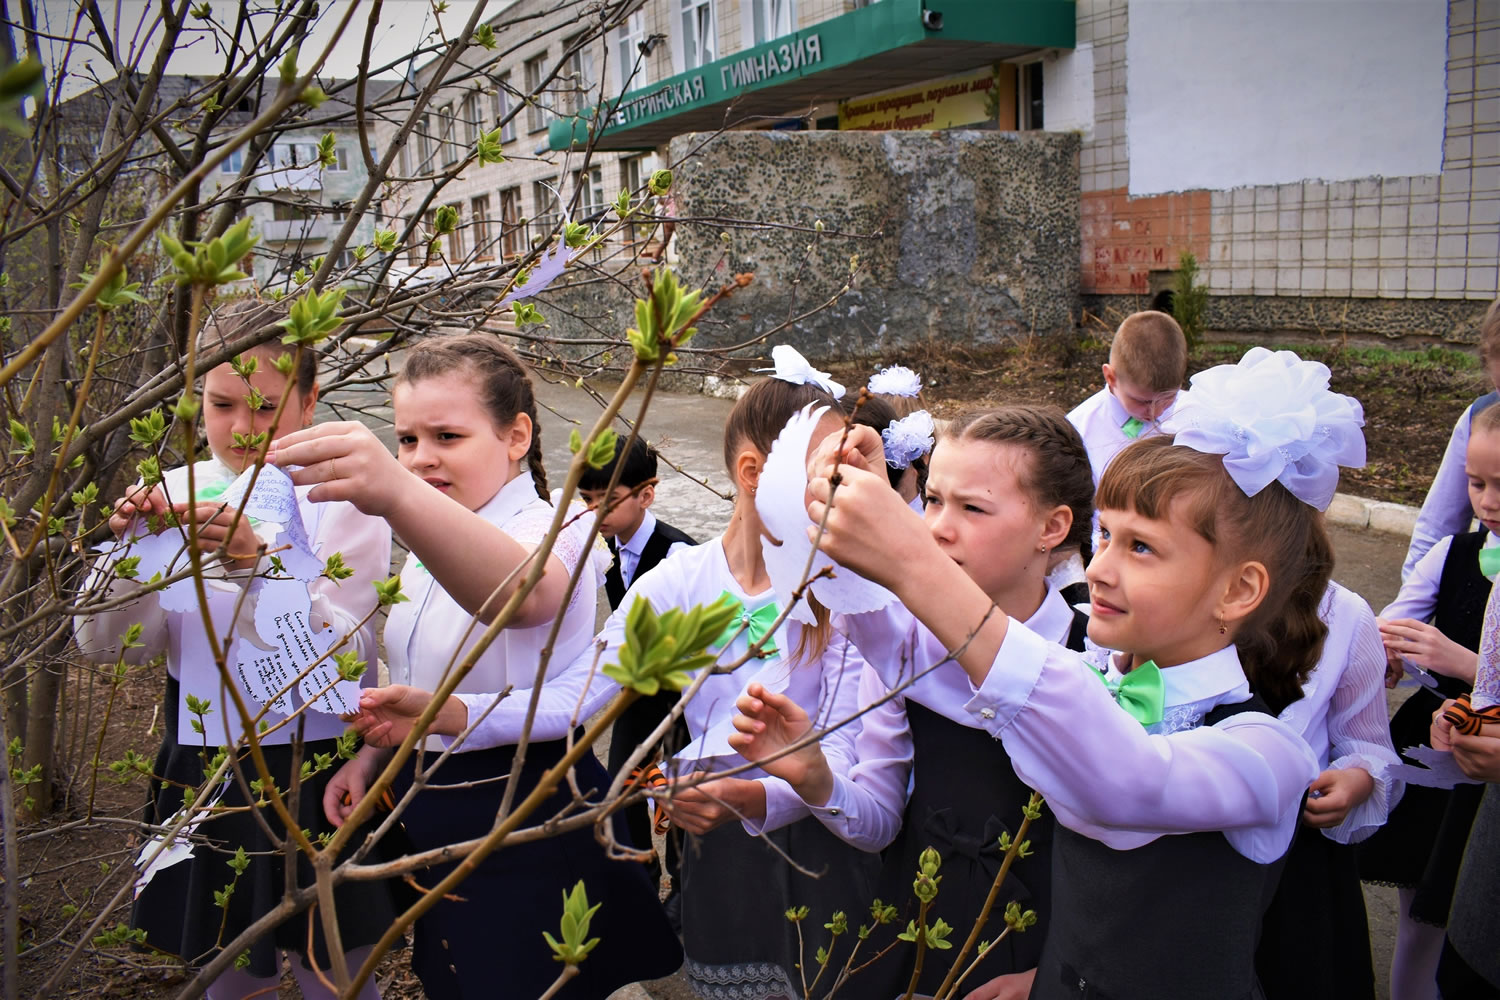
(779, 502)
(288, 644)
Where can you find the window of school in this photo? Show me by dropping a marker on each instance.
(578, 89)
(448, 137)
(289, 211)
(479, 226)
(416, 252)
(536, 112)
(590, 187)
(340, 160)
(698, 33)
(633, 173)
(473, 119)
(1029, 96)
(426, 145)
(510, 222)
(233, 163)
(545, 210)
(502, 109)
(772, 19)
(632, 66)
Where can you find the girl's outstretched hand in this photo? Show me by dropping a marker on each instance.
(1339, 790)
(769, 723)
(862, 449)
(1429, 648)
(387, 715)
(347, 462)
(1440, 737)
(1016, 986)
(219, 530)
(870, 529)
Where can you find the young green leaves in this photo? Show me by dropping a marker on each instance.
(313, 317)
(601, 449)
(662, 651)
(577, 913)
(487, 148)
(118, 291)
(661, 321)
(212, 262)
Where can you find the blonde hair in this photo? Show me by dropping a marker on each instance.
(1489, 334)
(1149, 350)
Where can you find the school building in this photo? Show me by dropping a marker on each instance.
(1334, 165)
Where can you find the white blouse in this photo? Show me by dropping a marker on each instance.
(828, 690)
(364, 542)
(1107, 777)
(1342, 712)
(430, 632)
(866, 806)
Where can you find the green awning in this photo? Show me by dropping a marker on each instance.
(887, 44)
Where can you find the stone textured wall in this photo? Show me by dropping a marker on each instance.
(1450, 321)
(963, 236)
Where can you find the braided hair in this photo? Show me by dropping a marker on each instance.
(503, 380)
(1058, 474)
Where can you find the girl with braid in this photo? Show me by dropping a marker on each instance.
(467, 495)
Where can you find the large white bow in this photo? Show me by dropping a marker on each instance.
(794, 368)
(1273, 418)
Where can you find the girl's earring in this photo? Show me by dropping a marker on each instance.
(1044, 550)
(1222, 629)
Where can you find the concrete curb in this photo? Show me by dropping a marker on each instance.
(1376, 515)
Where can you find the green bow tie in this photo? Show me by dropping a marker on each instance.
(757, 624)
(1489, 561)
(1141, 693)
(1133, 427)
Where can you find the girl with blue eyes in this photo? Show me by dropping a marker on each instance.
(1176, 790)
(467, 494)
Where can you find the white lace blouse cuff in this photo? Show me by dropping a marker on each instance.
(1370, 815)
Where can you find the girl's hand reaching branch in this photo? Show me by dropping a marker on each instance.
(387, 714)
(347, 462)
(769, 723)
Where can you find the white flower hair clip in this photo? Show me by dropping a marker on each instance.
(790, 366)
(1273, 418)
(896, 381)
(908, 439)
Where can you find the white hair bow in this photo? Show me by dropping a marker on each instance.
(1273, 418)
(896, 381)
(794, 368)
(908, 439)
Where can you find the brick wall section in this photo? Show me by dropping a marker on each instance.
(1125, 238)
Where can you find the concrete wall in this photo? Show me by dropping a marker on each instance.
(975, 234)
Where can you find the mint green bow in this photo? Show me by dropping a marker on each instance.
(757, 624)
(212, 491)
(1132, 427)
(1489, 561)
(1141, 693)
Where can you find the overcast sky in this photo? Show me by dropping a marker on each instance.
(404, 24)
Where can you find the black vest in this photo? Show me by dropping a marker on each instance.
(1462, 593)
(1175, 919)
(965, 793)
(663, 537)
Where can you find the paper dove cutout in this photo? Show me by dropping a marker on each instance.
(794, 368)
(1441, 770)
(779, 502)
(548, 267)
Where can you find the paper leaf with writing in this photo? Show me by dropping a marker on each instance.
(283, 646)
(1441, 770)
(780, 503)
(273, 501)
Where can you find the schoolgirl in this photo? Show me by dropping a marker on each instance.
(1315, 939)
(1434, 629)
(1208, 580)
(1006, 487)
(176, 905)
(467, 494)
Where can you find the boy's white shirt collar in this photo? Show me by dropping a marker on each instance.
(1195, 688)
(1118, 415)
(642, 534)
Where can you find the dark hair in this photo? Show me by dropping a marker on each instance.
(1281, 640)
(237, 321)
(760, 414)
(639, 466)
(1150, 350)
(1059, 471)
(504, 383)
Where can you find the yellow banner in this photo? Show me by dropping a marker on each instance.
(951, 102)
